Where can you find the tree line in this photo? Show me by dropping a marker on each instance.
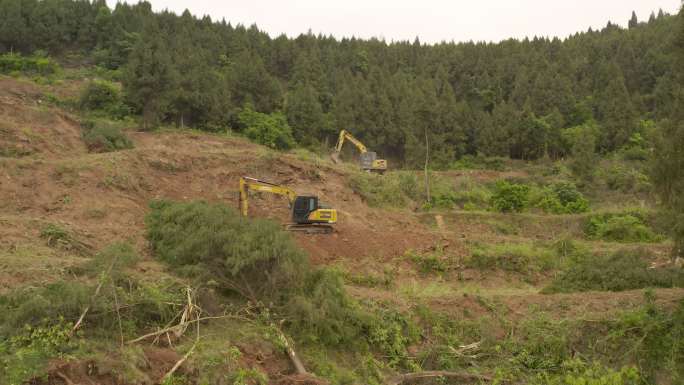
(524, 99)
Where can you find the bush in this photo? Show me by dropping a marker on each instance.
(270, 130)
(562, 198)
(253, 257)
(509, 197)
(521, 258)
(621, 178)
(103, 96)
(35, 65)
(104, 137)
(620, 228)
(623, 270)
(576, 372)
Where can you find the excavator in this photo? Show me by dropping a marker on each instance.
(308, 213)
(369, 161)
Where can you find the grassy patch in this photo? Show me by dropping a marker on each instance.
(622, 270)
(521, 258)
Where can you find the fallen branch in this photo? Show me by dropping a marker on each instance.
(410, 377)
(299, 366)
(179, 363)
(67, 380)
(173, 328)
(103, 278)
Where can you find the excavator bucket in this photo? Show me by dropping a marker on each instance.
(335, 156)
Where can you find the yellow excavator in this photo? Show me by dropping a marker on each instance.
(308, 213)
(369, 161)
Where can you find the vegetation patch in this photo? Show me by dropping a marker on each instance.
(103, 97)
(622, 270)
(510, 197)
(561, 198)
(271, 130)
(521, 258)
(104, 136)
(32, 65)
(620, 227)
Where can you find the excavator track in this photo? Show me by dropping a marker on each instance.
(309, 229)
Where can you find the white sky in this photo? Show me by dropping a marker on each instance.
(431, 20)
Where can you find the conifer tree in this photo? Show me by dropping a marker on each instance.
(150, 76)
(633, 21)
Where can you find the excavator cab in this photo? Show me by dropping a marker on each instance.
(308, 210)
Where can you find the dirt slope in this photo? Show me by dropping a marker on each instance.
(47, 176)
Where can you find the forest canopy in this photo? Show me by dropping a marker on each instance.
(516, 98)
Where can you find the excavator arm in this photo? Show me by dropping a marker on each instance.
(369, 161)
(247, 184)
(345, 135)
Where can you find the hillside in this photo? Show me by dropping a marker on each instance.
(457, 289)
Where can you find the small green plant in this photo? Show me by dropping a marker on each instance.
(104, 137)
(509, 197)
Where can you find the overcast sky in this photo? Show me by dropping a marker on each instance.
(430, 20)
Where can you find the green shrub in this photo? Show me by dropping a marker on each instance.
(577, 372)
(36, 65)
(650, 337)
(619, 228)
(103, 96)
(25, 355)
(270, 130)
(521, 258)
(562, 198)
(542, 344)
(625, 179)
(104, 137)
(509, 197)
(254, 257)
(623, 270)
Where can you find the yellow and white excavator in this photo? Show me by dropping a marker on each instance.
(369, 161)
(308, 213)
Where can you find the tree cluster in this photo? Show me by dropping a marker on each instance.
(517, 98)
